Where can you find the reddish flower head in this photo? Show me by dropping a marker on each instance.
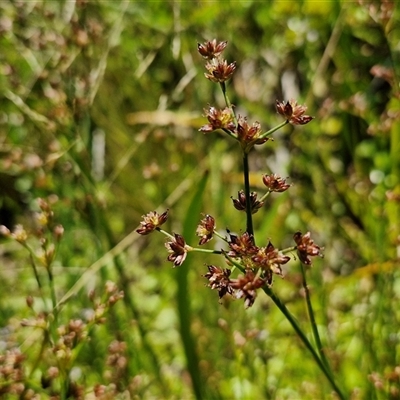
(205, 229)
(151, 221)
(219, 70)
(240, 202)
(211, 49)
(270, 260)
(218, 119)
(275, 183)
(246, 287)
(218, 279)
(242, 245)
(177, 249)
(293, 112)
(306, 247)
(249, 133)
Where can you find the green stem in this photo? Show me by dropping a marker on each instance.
(229, 133)
(263, 198)
(165, 233)
(216, 233)
(32, 259)
(288, 249)
(246, 174)
(272, 130)
(312, 320)
(227, 101)
(52, 292)
(304, 339)
(239, 266)
(206, 250)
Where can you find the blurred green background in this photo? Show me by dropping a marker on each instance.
(100, 106)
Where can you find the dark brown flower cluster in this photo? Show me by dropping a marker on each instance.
(218, 69)
(270, 260)
(259, 264)
(241, 246)
(293, 112)
(211, 48)
(218, 119)
(249, 133)
(275, 183)
(218, 279)
(246, 287)
(151, 221)
(306, 247)
(178, 249)
(205, 230)
(240, 202)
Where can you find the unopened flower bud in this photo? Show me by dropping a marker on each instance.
(58, 232)
(29, 301)
(4, 231)
(42, 218)
(110, 287)
(19, 234)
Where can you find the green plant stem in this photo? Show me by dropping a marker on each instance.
(52, 292)
(233, 262)
(264, 197)
(165, 233)
(39, 357)
(206, 250)
(227, 101)
(288, 249)
(274, 129)
(304, 339)
(223, 238)
(246, 174)
(313, 323)
(32, 259)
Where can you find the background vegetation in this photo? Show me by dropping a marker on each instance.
(100, 105)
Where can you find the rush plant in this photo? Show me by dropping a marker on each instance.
(250, 266)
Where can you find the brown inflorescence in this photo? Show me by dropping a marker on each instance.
(218, 279)
(306, 247)
(218, 119)
(240, 202)
(219, 70)
(178, 250)
(151, 221)
(211, 48)
(270, 260)
(275, 183)
(246, 287)
(205, 229)
(293, 112)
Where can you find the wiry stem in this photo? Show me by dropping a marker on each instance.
(304, 339)
(313, 323)
(246, 174)
(228, 102)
